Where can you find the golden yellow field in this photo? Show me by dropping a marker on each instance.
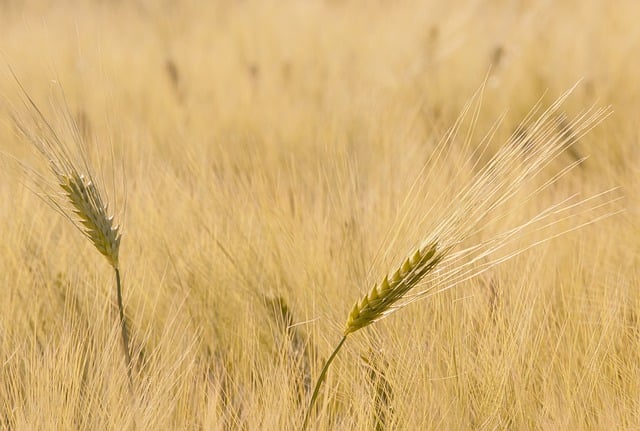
(269, 162)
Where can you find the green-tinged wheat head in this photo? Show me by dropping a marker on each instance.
(381, 298)
(93, 215)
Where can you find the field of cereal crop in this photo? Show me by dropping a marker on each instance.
(444, 194)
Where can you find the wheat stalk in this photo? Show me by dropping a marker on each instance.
(82, 200)
(380, 300)
(485, 197)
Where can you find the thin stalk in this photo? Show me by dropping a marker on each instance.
(323, 374)
(123, 327)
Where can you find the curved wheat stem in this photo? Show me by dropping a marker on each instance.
(323, 374)
(123, 328)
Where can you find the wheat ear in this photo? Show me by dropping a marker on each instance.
(380, 300)
(484, 200)
(100, 229)
(92, 213)
(82, 201)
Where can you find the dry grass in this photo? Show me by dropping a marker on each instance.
(280, 158)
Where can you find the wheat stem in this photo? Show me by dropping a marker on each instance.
(323, 374)
(123, 327)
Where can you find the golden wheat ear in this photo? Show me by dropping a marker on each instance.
(92, 213)
(381, 298)
(485, 200)
(82, 201)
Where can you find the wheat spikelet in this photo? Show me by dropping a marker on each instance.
(381, 298)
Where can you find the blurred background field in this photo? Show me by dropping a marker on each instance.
(267, 149)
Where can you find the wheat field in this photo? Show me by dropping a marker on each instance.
(269, 164)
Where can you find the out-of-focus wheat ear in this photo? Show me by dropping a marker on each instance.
(381, 298)
(97, 225)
